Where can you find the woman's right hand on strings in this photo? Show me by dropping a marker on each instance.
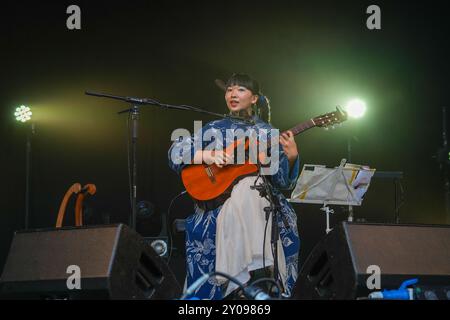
(219, 158)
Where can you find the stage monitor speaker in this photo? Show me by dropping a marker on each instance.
(338, 266)
(111, 262)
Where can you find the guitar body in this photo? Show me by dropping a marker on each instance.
(206, 182)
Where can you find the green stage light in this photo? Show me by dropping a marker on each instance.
(355, 108)
(23, 114)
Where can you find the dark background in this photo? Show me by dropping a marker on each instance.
(308, 57)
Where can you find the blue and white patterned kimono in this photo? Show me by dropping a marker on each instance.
(201, 225)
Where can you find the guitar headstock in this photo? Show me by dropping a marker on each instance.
(330, 119)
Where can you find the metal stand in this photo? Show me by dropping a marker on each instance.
(399, 195)
(325, 207)
(349, 159)
(266, 191)
(328, 211)
(28, 175)
(344, 185)
(396, 202)
(350, 214)
(444, 161)
(134, 137)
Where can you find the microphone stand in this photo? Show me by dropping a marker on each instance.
(266, 191)
(134, 113)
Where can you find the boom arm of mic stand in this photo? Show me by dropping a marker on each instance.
(147, 101)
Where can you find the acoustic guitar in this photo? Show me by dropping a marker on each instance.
(205, 182)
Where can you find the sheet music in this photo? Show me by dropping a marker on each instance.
(362, 181)
(345, 185)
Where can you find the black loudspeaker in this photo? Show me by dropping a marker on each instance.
(114, 263)
(337, 267)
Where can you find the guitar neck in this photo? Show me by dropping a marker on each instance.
(302, 127)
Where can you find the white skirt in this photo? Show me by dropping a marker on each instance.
(240, 235)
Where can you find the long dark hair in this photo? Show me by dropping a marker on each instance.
(262, 107)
